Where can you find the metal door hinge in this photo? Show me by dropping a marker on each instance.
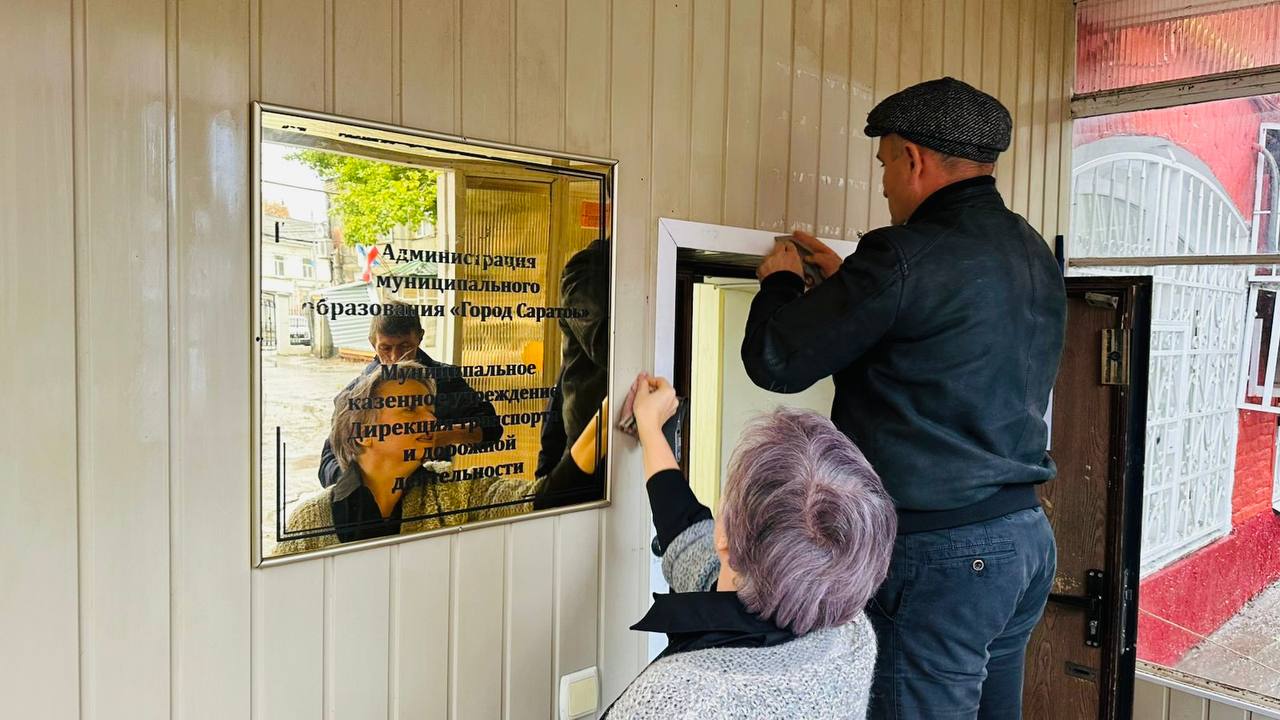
(1091, 602)
(1115, 356)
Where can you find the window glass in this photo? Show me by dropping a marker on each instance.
(1122, 43)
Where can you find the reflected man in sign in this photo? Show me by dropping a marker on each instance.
(397, 337)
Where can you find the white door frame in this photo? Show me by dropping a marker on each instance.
(673, 236)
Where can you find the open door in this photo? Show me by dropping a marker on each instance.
(1080, 663)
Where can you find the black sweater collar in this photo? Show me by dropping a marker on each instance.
(700, 620)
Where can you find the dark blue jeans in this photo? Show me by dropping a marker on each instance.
(954, 616)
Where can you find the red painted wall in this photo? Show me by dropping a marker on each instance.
(1202, 591)
(1255, 466)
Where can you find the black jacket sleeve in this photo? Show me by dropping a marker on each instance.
(794, 338)
(675, 507)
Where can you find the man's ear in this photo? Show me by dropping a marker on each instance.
(915, 158)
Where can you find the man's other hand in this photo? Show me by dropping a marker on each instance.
(783, 257)
(821, 256)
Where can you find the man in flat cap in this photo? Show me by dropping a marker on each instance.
(943, 334)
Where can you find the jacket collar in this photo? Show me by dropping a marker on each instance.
(700, 620)
(970, 191)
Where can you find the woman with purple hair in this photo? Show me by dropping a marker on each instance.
(765, 618)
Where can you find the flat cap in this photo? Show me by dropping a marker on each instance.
(946, 115)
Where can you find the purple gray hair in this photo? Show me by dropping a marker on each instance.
(810, 528)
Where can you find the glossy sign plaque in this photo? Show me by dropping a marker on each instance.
(431, 331)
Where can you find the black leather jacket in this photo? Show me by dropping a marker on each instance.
(943, 336)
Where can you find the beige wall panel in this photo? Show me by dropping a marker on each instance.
(1150, 701)
(833, 149)
(586, 92)
(886, 84)
(805, 115)
(1218, 711)
(775, 116)
(625, 570)
(356, 634)
(528, 644)
(742, 113)
(475, 668)
(421, 635)
(932, 38)
(540, 73)
(1020, 104)
(364, 60)
(38, 607)
(672, 41)
(122, 352)
(1054, 125)
(487, 78)
(707, 99)
(577, 548)
(1009, 32)
(292, 51)
(863, 172)
(911, 58)
(1039, 99)
(953, 39)
(992, 13)
(974, 35)
(429, 56)
(1183, 706)
(1062, 114)
(210, 442)
(288, 642)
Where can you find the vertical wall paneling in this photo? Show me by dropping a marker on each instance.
(209, 269)
(528, 642)
(953, 40)
(38, 443)
(1055, 126)
(420, 630)
(428, 81)
(911, 59)
(1009, 61)
(1218, 711)
(625, 569)
(992, 12)
(863, 179)
(707, 98)
(289, 640)
(475, 666)
(487, 81)
(931, 39)
(356, 647)
(576, 591)
(540, 73)
(974, 32)
(1062, 115)
(1187, 707)
(834, 125)
(363, 69)
(122, 351)
(775, 111)
(886, 83)
(805, 114)
(1020, 106)
(672, 67)
(742, 112)
(586, 89)
(1034, 210)
(292, 51)
(1150, 701)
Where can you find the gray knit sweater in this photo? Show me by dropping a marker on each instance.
(824, 674)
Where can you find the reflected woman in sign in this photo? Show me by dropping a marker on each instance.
(384, 434)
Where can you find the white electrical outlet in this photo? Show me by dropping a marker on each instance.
(579, 694)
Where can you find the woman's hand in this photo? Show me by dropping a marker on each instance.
(655, 403)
